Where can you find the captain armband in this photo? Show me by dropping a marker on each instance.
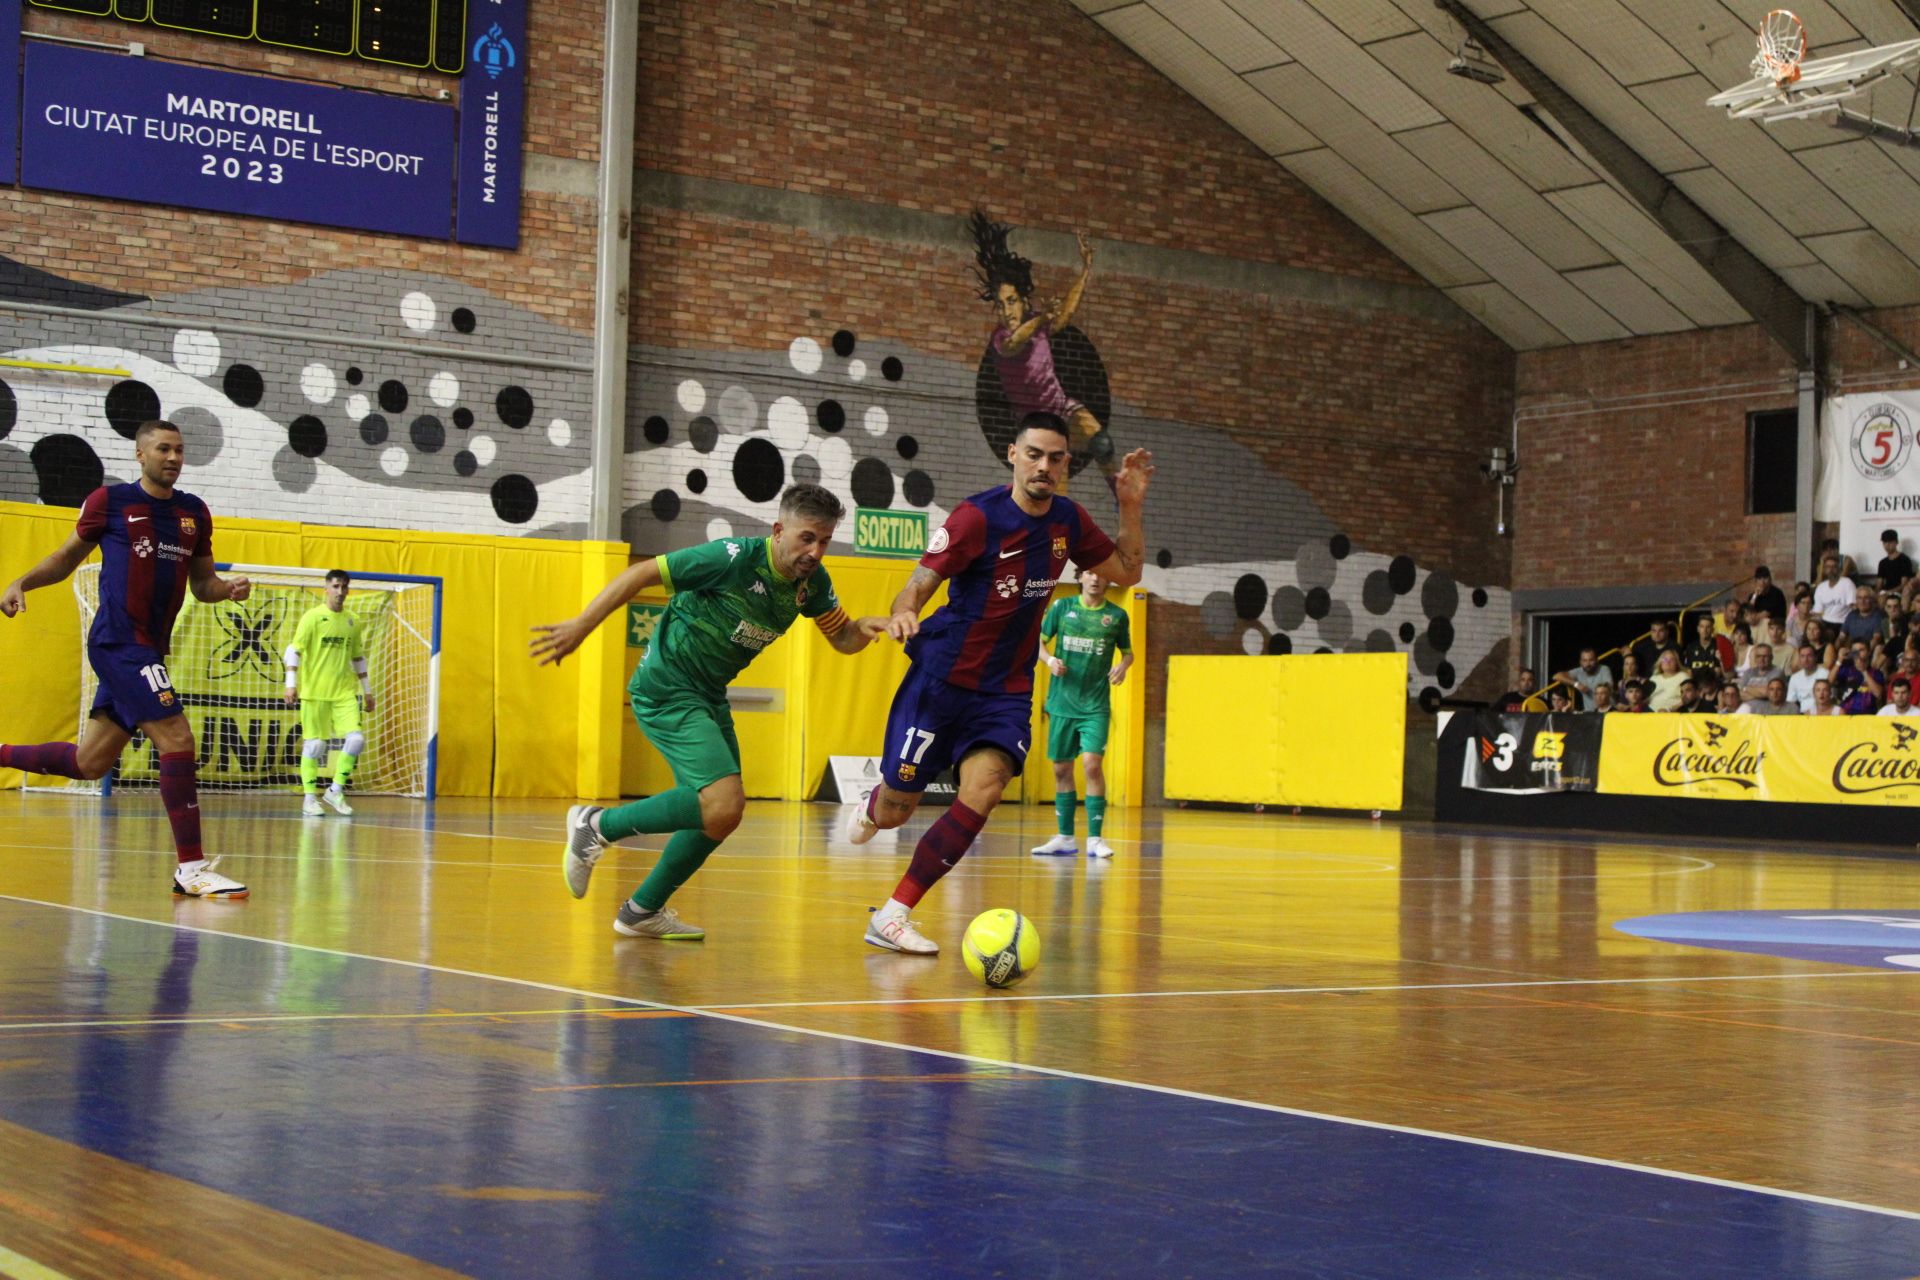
(832, 622)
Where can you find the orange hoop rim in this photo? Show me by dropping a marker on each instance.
(1783, 43)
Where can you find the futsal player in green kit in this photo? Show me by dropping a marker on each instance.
(1085, 630)
(731, 599)
(327, 674)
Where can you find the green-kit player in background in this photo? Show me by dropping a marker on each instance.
(1085, 630)
(731, 599)
(327, 675)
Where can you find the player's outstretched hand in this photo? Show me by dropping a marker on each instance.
(368, 699)
(292, 696)
(553, 641)
(903, 626)
(238, 589)
(1056, 665)
(873, 626)
(13, 600)
(1116, 675)
(1136, 469)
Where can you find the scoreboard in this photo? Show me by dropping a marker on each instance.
(430, 35)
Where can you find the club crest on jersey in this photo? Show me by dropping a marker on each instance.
(1108, 620)
(166, 697)
(800, 595)
(1007, 587)
(907, 771)
(1060, 547)
(188, 526)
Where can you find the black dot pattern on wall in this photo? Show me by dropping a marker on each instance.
(843, 343)
(1341, 546)
(1164, 559)
(806, 470)
(307, 436)
(1379, 641)
(831, 415)
(243, 385)
(373, 429)
(1407, 633)
(1376, 593)
(1279, 642)
(1439, 595)
(129, 404)
(463, 418)
(515, 406)
(655, 430)
(1440, 634)
(666, 505)
(1249, 597)
(758, 471)
(1400, 575)
(515, 499)
(1323, 649)
(891, 369)
(393, 396)
(918, 487)
(704, 433)
(1429, 699)
(67, 469)
(1444, 674)
(1319, 603)
(464, 463)
(9, 409)
(906, 447)
(696, 481)
(354, 376)
(429, 435)
(872, 483)
(1479, 597)
(463, 319)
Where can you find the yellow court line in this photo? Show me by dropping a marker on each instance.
(16, 1266)
(251, 1019)
(947, 1077)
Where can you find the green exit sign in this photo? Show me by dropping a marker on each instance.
(890, 533)
(641, 620)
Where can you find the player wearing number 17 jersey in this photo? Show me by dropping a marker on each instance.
(968, 697)
(155, 541)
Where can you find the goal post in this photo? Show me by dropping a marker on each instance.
(228, 672)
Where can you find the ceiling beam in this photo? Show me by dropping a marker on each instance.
(1752, 283)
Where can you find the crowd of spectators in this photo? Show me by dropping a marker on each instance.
(1842, 645)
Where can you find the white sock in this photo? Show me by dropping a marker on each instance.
(594, 822)
(894, 907)
(195, 865)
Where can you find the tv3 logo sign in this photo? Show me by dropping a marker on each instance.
(1881, 441)
(1499, 752)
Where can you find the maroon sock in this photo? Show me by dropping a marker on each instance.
(180, 793)
(57, 758)
(944, 844)
(872, 805)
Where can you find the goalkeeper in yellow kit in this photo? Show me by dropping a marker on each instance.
(327, 674)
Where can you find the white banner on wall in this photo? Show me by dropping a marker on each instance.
(1869, 474)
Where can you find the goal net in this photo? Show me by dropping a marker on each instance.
(229, 675)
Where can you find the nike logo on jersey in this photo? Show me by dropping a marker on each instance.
(135, 519)
(1016, 551)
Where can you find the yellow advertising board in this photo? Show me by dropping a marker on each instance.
(1866, 760)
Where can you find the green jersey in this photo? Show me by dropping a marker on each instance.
(328, 644)
(729, 603)
(1084, 639)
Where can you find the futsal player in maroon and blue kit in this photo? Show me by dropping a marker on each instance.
(968, 697)
(155, 542)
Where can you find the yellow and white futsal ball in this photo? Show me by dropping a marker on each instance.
(1001, 947)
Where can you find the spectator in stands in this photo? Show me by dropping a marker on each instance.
(1763, 597)
(1587, 677)
(1858, 688)
(1833, 594)
(1560, 699)
(1895, 567)
(1895, 608)
(1823, 700)
(1759, 673)
(1636, 691)
(1866, 622)
(1831, 547)
(1732, 614)
(1603, 699)
(1908, 664)
(1776, 703)
(1729, 703)
(1900, 698)
(1630, 669)
(1809, 672)
(1668, 676)
(1704, 654)
(1705, 695)
(1512, 698)
(1798, 613)
(1742, 646)
(1822, 637)
(1649, 649)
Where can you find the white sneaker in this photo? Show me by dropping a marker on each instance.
(204, 882)
(1098, 848)
(860, 828)
(337, 798)
(892, 930)
(311, 806)
(584, 848)
(1057, 847)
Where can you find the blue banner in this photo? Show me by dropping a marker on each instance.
(162, 133)
(493, 97)
(9, 90)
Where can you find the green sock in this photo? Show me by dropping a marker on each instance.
(309, 774)
(681, 858)
(343, 768)
(1063, 803)
(1096, 815)
(675, 810)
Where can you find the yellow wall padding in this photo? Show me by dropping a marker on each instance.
(39, 649)
(1326, 730)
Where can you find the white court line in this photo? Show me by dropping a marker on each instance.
(16, 1266)
(1007, 1065)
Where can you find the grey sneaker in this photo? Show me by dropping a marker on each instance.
(584, 848)
(631, 922)
(337, 800)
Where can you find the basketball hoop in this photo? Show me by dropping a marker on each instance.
(1783, 42)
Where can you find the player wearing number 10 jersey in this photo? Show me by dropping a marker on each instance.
(968, 697)
(155, 541)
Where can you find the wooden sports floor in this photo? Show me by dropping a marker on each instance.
(1256, 1045)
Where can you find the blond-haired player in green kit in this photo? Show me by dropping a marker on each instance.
(327, 675)
(731, 599)
(1085, 630)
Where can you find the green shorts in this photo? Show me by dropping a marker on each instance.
(694, 734)
(329, 717)
(1070, 736)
